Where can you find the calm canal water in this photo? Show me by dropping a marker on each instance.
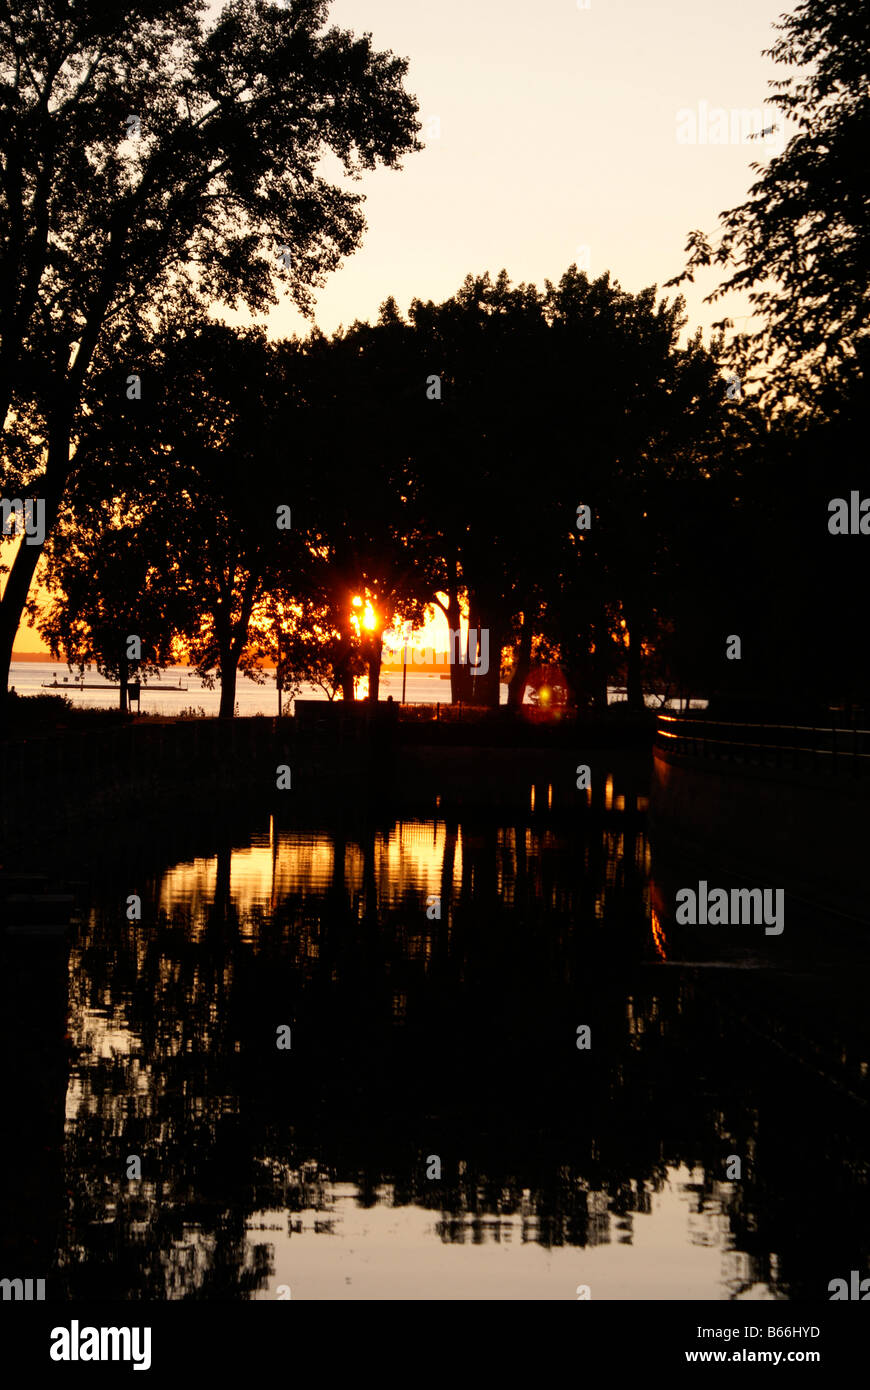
(433, 973)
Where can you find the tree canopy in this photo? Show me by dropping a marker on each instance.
(152, 161)
(800, 242)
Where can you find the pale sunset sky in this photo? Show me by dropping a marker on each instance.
(558, 131)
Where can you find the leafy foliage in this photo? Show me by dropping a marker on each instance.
(800, 243)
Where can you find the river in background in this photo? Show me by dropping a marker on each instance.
(433, 1130)
(29, 678)
(32, 678)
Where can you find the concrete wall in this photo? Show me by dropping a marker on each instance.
(807, 832)
(59, 778)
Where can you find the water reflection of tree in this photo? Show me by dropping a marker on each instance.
(413, 1036)
(33, 1023)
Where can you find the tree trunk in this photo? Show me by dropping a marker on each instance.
(123, 671)
(486, 687)
(599, 664)
(229, 673)
(375, 658)
(344, 665)
(472, 654)
(67, 394)
(484, 684)
(517, 683)
(12, 606)
(458, 671)
(576, 675)
(634, 680)
(27, 556)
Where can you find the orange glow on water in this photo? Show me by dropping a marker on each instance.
(659, 938)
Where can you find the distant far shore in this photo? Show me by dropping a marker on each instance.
(435, 662)
(59, 661)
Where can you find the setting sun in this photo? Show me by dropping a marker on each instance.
(368, 619)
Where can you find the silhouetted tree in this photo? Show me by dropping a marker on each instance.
(216, 194)
(203, 478)
(108, 586)
(799, 244)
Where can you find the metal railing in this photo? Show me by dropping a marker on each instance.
(798, 747)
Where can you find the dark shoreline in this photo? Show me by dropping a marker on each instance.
(104, 768)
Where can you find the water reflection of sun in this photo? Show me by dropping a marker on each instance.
(410, 857)
(659, 938)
